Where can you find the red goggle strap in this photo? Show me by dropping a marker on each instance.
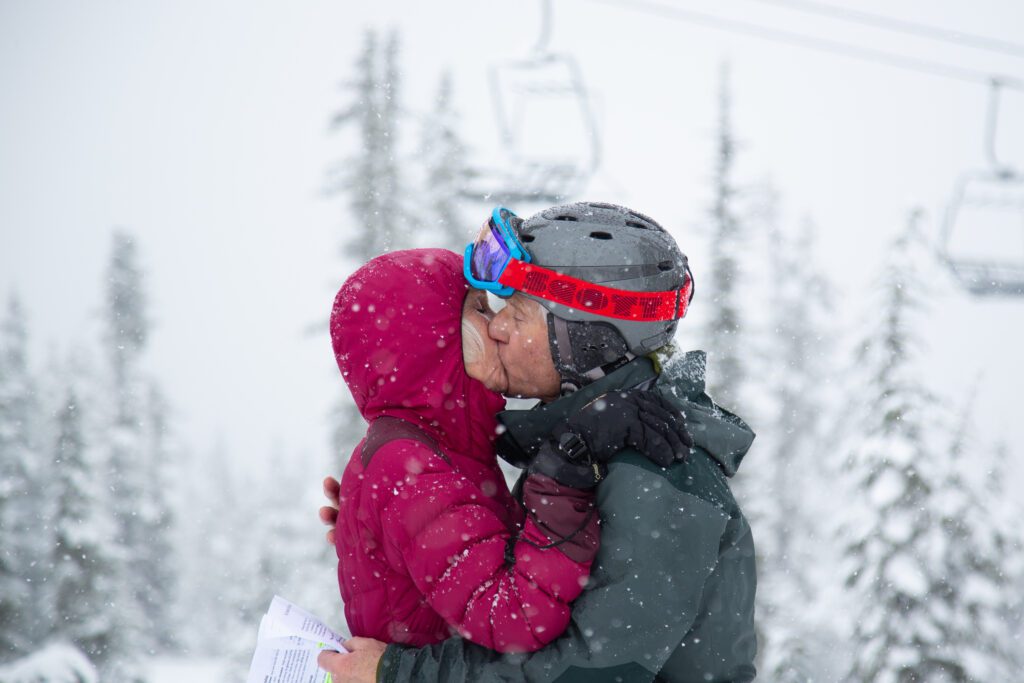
(607, 302)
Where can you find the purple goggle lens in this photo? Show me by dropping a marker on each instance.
(490, 254)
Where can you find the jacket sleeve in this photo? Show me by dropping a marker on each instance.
(659, 550)
(504, 588)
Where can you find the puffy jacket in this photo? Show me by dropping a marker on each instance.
(432, 543)
(671, 596)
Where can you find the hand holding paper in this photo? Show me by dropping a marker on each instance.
(359, 666)
(287, 646)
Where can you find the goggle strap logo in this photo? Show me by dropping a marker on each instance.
(604, 301)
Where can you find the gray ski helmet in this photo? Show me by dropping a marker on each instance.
(612, 246)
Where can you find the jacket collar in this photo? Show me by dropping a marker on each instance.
(724, 436)
(525, 430)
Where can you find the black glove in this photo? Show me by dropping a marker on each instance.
(577, 454)
(632, 419)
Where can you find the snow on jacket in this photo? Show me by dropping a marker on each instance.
(671, 595)
(429, 546)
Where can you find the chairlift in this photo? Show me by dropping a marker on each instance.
(983, 232)
(547, 125)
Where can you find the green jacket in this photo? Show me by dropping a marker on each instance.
(671, 592)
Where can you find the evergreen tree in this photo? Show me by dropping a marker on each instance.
(393, 190)
(277, 562)
(215, 522)
(372, 181)
(447, 172)
(901, 632)
(126, 335)
(727, 374)
(19, 533)
(81, 564)
(975, 556)
(790, 458)
(1007, 513)
(156, 560)
(294, 560)
(371, 176)
(127, 325)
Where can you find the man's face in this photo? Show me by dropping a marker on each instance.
(479, 351)
(521, 331)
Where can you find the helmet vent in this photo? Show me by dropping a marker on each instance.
(601, 235)
(566, 218)
(634, 224)
(665, 266)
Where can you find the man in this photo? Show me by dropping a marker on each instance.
(595, 292)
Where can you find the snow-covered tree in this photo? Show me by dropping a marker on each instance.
(22, 542)
(791, 455)
(126, 335)
(903, 629)
(221, 598)
(447, 172)
(375, 185)
(127, 324)
(724, 332)
(372, 175)
(55, 663)
(294, 560)
(977, 557)
(721, 288)
(157, 560)
(800, 305)
(1007, 511)
(81, 552)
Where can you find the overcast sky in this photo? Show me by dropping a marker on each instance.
(201, 127)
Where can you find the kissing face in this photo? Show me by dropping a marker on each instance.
(521, 331)
(479, 351)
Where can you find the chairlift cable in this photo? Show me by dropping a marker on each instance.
(819, 44)
(900, 26)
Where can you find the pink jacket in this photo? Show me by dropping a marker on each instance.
(429, 546)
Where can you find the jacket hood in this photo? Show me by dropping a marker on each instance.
(396, 328)
(724, 436)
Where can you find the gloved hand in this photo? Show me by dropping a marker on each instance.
(578, 452)
(639, 419)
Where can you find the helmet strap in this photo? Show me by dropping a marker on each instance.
(584, 351)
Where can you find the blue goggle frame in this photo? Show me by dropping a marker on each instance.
(500, 217)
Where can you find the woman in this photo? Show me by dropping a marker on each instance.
(429, 540)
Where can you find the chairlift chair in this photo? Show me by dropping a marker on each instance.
(547, 126)
(983, 232)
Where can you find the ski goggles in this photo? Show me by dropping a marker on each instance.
(497, 262)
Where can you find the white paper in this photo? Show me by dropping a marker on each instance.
(288, 642)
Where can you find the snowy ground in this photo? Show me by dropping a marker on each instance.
(179, 670)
